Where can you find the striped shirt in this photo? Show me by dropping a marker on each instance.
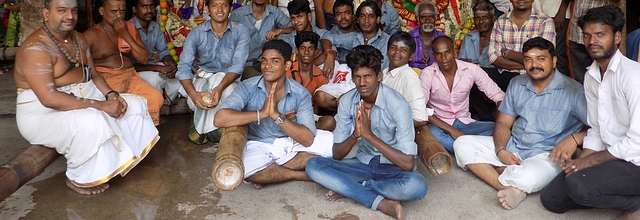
(506, 34)
(580, 8)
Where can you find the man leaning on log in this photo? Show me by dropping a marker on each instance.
(62, 104)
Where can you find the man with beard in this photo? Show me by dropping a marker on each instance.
(216, 51)
(343, 12)
(113, 59)
(282, 136)
(264, 22)
(537, 129)
(160, 74)
(389, 18)
(300, 14)
(427, 14)
(62, 104)
(510, 31)
(383, 172)
(446, 86)
(607, 171)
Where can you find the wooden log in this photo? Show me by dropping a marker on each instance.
(431, 152)
(24, 167)
(228, 169)
(9, 53)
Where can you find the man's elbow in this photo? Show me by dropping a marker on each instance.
(219, 119)
(408, 166)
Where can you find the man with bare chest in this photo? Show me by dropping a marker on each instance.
(113, 42)
(62, 104)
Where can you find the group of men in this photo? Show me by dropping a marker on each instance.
(343, 110)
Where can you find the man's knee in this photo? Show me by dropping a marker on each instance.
(315, 167)
(153, 78)
(415, 187)
(551, 200)
(579, 191)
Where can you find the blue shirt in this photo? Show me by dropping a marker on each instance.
(350, 40)
(204, 50)
(542, 120)
(391, 121)
(271, 19)
(389, 19)
(633, 44)
(295, 105)
(342, 53)
(153, 39)
(291, 37)
(470, 49)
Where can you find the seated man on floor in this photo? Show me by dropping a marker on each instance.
(62, 104)
(537, 129)
(300, 14)
(216, 51)
(158, 73)
(309, 75)
(446, 88)
(282, 134)
(113, 59)
(607, 171)
(383, 172)
(401, 77)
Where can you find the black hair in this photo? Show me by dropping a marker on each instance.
(365, 56)
(340, 3)
(372, 5)
(279, 45)
(608, 15)
(307, 36)
(298, 6)
(539, 43)
(445, 38)
(47, 3)
(206, 2)
(405, 37)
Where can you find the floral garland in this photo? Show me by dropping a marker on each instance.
(177, 21)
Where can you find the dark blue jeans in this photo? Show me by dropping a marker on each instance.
(610, 185)
(369, 183)
(484, 128)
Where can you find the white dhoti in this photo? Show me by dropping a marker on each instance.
(205, 82)
(161, 82)
(340, 83)
(258, 155)
(97, 146)
(532, 175)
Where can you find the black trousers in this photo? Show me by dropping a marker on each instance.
(580, 60)
(480, 106)
(610, 185)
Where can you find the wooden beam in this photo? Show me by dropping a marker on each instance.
(24, 167)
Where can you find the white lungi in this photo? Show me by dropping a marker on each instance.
(205, 82)
(97, 146)
(258, 155)
(160, 82)
(532, 175)
(340, 83)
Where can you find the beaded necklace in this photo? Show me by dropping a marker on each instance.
(72, 60)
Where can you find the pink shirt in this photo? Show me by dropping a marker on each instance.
(449, 105)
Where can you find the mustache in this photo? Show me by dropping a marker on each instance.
(535, 68)
(148, 14)
(596, 46)
(427, 27)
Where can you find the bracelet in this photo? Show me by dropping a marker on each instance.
(258, 113)
(106, 96)
(327, 51)
(497, 152)
(505, 54)
(574, 139)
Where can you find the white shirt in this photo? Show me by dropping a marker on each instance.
(550, 7)
(502, 5)
(405, 80)
(613, 106)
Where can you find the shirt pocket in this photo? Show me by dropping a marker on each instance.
(226, 54)
(550, 121)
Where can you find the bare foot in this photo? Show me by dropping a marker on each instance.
(257, 186)
(88, 191)
(391, 208)
(511, 197)
(333, 196)
(630, 215)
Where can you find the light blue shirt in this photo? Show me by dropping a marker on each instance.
(542, 120)
(470, 49)
(389, 18)
(153, 39)
(291, 37)
(342, 53)
(391, 121)
(271, 19)
(204, 50)
(350, 40)
(295, 105)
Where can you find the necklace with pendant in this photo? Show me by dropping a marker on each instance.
(72, 60)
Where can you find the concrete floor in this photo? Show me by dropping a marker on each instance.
(173, 182)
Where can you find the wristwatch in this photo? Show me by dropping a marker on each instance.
(280, 119)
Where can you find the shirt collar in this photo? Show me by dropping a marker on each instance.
(207, 25)
(262, 86)
(614, 63)
(267, 10)
(393, 73)
(556, 83)
(380, 100)
(375, 38)
(534, 14)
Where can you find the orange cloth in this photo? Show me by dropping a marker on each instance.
(123, 46)
(317, 78)
(128, 81)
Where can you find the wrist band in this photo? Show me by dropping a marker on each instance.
(497, 152)
(258, 113)
(106, 96)
(574, 139)
(328, 51)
